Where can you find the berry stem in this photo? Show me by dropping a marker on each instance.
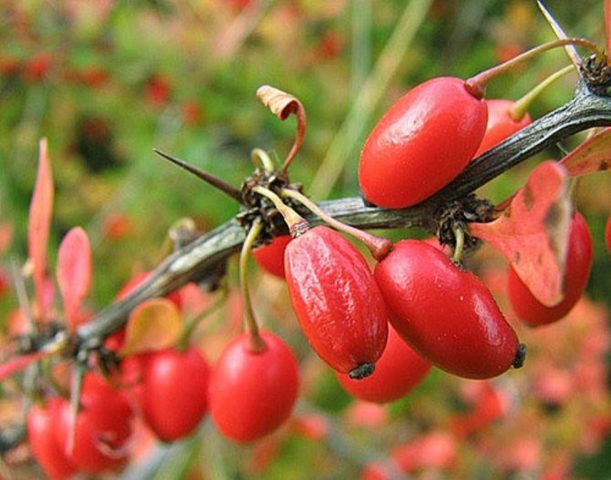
(459, 235)
(296, 223)
(476, 85)
(194, 322)
(521, 106)
(76, 387)
(256, 342)
(261, 159)
(216, 182)
(299, 136)
(378, 246)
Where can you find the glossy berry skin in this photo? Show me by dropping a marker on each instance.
(103, 428)
(398, 371)
(421, 143)
(500, 123)
(447, 314)
(336, 300)
(271, 257)
(577, 271)
(253, 393)
(174, 392)
(49, 453)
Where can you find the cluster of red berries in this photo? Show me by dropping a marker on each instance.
(381, 330)
(436, 312)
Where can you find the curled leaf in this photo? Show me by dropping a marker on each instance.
(593, 155)
(74, 272)
(282, 105)
(153, 325)
(532, 233)
(39, 224)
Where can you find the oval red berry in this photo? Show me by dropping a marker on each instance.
(253, 393)
(399, 370)
(447, 314)
(336, 300)
(422, 143)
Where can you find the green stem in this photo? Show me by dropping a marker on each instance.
(459, 235)
(296, 223)
(378, 246)
(261, 159)
(256, 342)
(520, 107)
(476, 85)
(76, 387)
(192, 324)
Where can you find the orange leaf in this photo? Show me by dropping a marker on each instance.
(593, 155)
(39, 224)
(532, 233)
(74, 272)
(153, 325)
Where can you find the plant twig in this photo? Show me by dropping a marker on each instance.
(584, 111)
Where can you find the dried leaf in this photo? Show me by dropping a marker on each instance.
(282, 105)
(153, 325)
(74, 272)
(39, 224)
(18, 364)
(593, 155)
(533, 231)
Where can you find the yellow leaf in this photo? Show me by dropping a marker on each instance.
(153, 325)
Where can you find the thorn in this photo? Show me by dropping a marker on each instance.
(216, 182)
(560, 33)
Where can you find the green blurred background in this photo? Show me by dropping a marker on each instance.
(107, 81)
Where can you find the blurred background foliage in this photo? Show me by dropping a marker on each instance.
(107, 81)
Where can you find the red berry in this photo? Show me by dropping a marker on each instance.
(577, 271)
(397, 372)
(500, 123)
(174, 392)
(271, 257)
(447, 314)
(157, 91)
(103, 427)
(608, 234)
(253, 393)
(38, 66)
(435, 449)
(422, 143)
(42, 423)
(336, 300)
